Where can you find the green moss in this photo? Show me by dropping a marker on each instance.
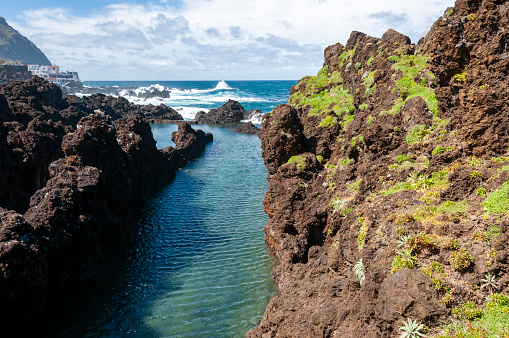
(400, 186)
(410, 66)
(328, 121)
(417, 133)
(323, 92)
(497, 202)
(299, 160)
(401, 158)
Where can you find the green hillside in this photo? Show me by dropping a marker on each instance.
(14, 46)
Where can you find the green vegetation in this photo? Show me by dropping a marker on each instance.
(411, 66)
(411, 329)
(325, 93)
(370, 120)
(328, 121)
(492, 320)
(437, 151)
(449, 12)
(355, 186)
(471, 17)
(370, 61)
(461, 260)
(497, 202)
(319, 158)
(358, 270)
(299, 160)
(404, 259)
(467, 311)
(417, 133)
(402, 158)
(363, 231)
(363, 106)
(460, 77)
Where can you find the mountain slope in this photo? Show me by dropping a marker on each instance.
(16, 47)
(389, 184)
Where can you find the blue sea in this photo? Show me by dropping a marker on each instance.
(189, 97)
(195, 263)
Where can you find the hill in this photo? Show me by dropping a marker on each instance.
(16, 47)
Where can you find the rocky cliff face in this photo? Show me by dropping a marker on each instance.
(389, 181)
(68, 191)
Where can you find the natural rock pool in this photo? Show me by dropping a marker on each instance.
(196, 263)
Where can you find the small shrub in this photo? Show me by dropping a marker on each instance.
(404, 259)
(328, 121)
(358, 65)
(337, 203)
(481, 192)
(476, 174)
(450, 243)
(437, 151)
(461, 260)
(481, 236)
(363, 106)
(358, 270)
(460, 77)
(411, 329)
(467, 311)
(370, 120)
(355, 186)
(371, 59)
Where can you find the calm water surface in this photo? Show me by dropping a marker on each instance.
(197, 264)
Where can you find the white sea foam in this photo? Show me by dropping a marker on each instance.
(188, 113)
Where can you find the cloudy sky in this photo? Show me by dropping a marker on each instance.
(207, 39)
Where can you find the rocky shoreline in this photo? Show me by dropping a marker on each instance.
(72, 174)
(388, 175)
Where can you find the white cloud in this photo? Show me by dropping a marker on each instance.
(215, 39)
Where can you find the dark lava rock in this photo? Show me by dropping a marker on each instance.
(249, 128)
(72, 191)
(230, 112)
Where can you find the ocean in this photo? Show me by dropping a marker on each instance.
(189, 97)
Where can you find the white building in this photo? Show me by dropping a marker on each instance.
(53, 74)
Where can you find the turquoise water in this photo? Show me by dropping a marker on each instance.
(196, 264)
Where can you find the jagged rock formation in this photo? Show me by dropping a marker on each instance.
(249, 128)
(389, 181)
(13, 73)
(16, 47)
(230, 112)
(67, 191)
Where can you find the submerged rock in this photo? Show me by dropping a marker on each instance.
(249, 128)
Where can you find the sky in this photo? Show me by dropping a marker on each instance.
(170, 40)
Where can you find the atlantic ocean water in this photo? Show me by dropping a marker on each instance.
(188, 97)
(194, 264)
